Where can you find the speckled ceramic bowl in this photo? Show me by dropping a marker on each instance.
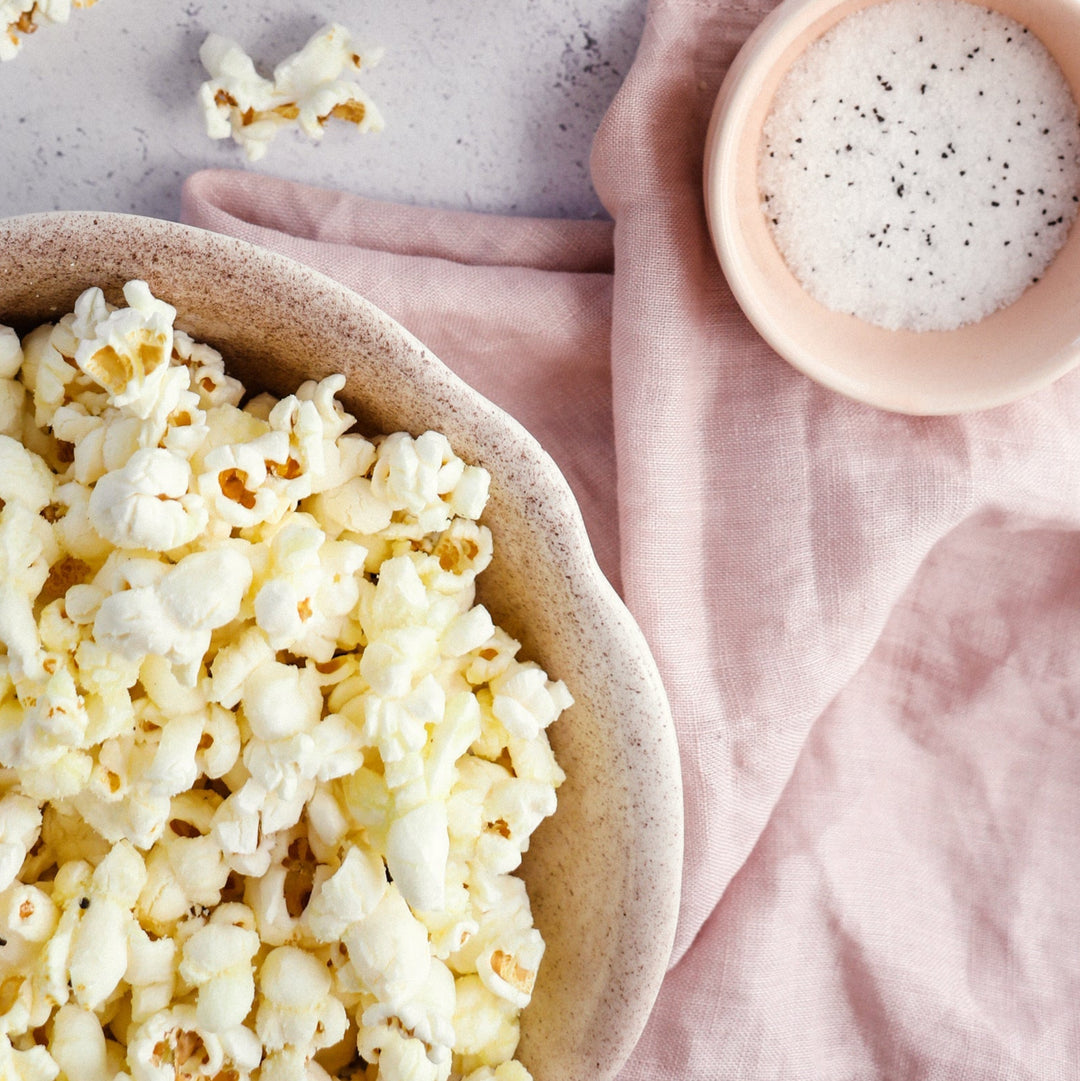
(604, 871)
(1015, 351)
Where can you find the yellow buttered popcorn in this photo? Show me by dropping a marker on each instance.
(267, 768)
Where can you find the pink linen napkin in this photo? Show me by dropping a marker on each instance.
(867, 624)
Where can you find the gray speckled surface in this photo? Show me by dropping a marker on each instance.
(490, 105)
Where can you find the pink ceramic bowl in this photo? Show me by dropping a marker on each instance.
(604, 872)
(1015, 351)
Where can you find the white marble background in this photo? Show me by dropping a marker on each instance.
(490, 105)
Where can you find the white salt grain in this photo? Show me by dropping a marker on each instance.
(920, 166)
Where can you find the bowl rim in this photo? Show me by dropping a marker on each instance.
(660, 807)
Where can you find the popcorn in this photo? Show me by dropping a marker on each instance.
(306, 90)
(208, 378)
(172, 1045)
(508, 969)
(36, 1064)
(348, 895)
(28, 915)
(11, 355)
(12, 404)
(77, 1045)
(99, 944)
(21, 17)
(400, 1057)
(185, 869)
(505, 1071)
(20, 825)
(46, 373)
(217, 960)
(174, 616)
(309, 590)
(237, 481)
(27, 550)
(388, 950)
(24, 478)
(125, 350)
(423, 478)
(219, 745)
(417, 848)
(485, 1025)
(266, 767)
(150, 972)
(427, 1018)
(146, 504)
(280, 701)
(297, 1008)
(526, 701)
(291, 1064)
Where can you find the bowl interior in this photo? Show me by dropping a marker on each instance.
(1012, 352)
(604, 872)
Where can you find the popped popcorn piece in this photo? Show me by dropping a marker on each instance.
(125, 350)
(280, 700)
(172, 1045)
(35, 1064)
(27, 551)
(307, 89)
(388, 950)
(11, 355)
(425, 480)
(417, 848)
(19, 18)
(77, 1044)
(99, 942)
(150, 972)
(235, 662)
(508, 968)
(174, 616)
(400, 1057)
(239, 484)
(505, 1071)
(296, 1007)
(292, 1064)
(28, 915)
(526, 701)
(266, 766)
(13, 407)
(426, 1018)
(20, 826)
(186, 868)
(309, 590)
(24, 478)
(351, 893)
(217, 960)
(46, 373)
(485, 1026)
(312, 80)
(208, 377)
(146, 503)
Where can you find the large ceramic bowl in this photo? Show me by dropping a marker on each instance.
(1015, 351)
(604, 872)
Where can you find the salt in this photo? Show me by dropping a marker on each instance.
(920, 165)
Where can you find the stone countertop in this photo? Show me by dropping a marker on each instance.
(490, 105)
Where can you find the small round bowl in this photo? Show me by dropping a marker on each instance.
(604, 872)
(1010, 353)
